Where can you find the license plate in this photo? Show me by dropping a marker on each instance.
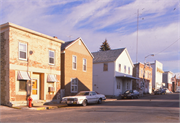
(124, 97)
(70, 102)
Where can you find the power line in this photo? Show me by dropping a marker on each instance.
(167, 47)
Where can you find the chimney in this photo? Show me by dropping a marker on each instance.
(54, 37)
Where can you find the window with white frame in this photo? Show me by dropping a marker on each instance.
(118, 85)
(124, 68)
(84, 64)
(22, 51)
(74, 85)
(128, 70)
(74, 62)
(51, 57)
(119, 67)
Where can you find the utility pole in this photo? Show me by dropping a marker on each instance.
(137, 36)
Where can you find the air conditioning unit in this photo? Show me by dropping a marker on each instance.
(51, 89)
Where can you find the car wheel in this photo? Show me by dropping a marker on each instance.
(84, 103)
(99, 101)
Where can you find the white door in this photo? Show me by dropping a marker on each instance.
(35, 89)
(95, 82)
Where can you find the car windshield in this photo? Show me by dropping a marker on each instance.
(128, 91)
(82, 93)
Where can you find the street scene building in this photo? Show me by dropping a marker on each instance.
(76, 67)
(30, 66)
(167, 80)
(157, 68)
(112, 72)
(143, 83)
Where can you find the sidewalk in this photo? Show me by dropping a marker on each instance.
(43, 107)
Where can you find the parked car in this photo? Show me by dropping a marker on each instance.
(84, 98)
(159, 91)
(167, 90)
(130, 94)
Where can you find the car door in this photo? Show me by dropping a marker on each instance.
(90, 98)
(95, 97)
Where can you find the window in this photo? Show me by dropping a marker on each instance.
(128, 70)
(74, 62)
(119, 67)
(124, 68)
(105, 68)
(118, 85)
(51, 57)
(74, 85)
(22, 85)
(22, 51)
(128, 85)
(141, 72)
(84, 64)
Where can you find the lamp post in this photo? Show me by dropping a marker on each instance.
(144, 71)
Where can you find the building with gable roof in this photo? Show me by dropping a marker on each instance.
(76, 67)
(112, 72)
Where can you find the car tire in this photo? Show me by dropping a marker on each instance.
(84, 103)
(99, 101)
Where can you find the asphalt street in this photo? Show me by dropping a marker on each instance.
(150, 108)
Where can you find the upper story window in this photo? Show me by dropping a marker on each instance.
(128, 70)
(119, 67)
(51, 57)
(74, 62)
(124, 68)
(22, 51)
(105, 67)
(84, 65)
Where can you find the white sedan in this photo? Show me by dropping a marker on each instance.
(84, 98)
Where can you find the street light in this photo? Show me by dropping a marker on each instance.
(144, 71)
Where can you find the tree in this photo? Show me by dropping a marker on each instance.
(105, 46)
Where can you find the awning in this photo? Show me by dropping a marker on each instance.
(51, 78)
(126, 76)
(23, 75)
(159, 70)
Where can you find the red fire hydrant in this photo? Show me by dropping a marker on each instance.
(30, 101)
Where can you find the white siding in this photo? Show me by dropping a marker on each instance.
(103, 81)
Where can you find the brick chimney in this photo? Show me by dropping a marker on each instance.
(54, 37)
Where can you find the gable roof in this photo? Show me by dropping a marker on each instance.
(107, 56)
(69, 43)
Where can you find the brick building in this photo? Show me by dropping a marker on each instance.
(30, 65)
(167, 80)
(76, 66)
(138, 72)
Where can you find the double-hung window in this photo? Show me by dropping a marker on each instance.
(119, 67)
(105, 67)
(84, 64)
(74, 85)
(22, 51)
(51, 57)
(124, 68)
(74, 62)
(128, 70)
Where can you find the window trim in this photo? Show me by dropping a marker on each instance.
(118, 85)
(51, 57)
(85, 64)
(104, 67)
(74, 85)
(19, 51)
(73, 62)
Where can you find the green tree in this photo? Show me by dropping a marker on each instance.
(105, 46)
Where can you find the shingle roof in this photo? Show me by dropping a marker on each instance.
(63, 46)
(107, 56)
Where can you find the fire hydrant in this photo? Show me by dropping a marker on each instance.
(30, 101)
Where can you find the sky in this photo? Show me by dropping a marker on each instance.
(115, 20)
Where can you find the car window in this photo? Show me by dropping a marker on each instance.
(94, 93)
(82, 93)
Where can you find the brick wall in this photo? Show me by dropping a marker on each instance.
(4, 68)
(84, 78)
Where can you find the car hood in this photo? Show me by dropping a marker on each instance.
(74, 97)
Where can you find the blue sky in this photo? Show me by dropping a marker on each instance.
(115, 20)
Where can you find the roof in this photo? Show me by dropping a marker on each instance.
(69, 43)
(8, 24)
(63, 46)
(107, 56)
